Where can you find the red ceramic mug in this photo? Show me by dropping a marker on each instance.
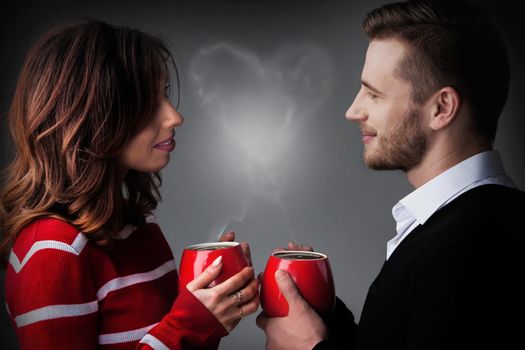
(312, 275)
(196, 258)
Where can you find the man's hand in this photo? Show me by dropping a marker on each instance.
(294, 246)
(301, 329)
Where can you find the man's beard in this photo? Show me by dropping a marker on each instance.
(402, 148)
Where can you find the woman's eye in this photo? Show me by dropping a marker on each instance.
(167, 90)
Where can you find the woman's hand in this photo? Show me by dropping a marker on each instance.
(231, 300)
(230, 237)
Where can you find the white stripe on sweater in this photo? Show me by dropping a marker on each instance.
(124, 337)
(126, 281)
(129, 229)
(153, 342)
(80, 242)
(75, 248)
(55, 311)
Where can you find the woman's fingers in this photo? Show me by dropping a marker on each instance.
(238, 312)
(231, 300)
(251, 306)
(207, 276)
(230, 237)
(236, 282)
(245, 294)
(227, 237)
(247, 253)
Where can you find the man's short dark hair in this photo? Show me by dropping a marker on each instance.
(451, 43)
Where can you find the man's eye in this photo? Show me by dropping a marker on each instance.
(371, 95)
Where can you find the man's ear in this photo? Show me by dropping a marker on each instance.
(445, 105)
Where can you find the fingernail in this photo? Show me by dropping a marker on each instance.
(279, 274)
(217, 261)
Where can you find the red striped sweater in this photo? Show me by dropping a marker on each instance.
(63, 292)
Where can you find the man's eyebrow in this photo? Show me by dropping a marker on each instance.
(370, 87)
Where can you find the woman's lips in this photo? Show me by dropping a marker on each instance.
(167, 145)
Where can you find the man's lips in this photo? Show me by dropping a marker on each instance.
(367, 136)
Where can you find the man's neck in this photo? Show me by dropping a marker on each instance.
(441, 159)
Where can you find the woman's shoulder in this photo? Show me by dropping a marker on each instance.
(49, 229)
(48, 233)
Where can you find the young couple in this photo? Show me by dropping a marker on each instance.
(88, 267)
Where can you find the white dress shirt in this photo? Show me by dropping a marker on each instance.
(416, 208)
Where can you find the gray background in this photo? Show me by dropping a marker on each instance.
(265, 149)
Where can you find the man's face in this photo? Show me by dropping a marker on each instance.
(392, 128)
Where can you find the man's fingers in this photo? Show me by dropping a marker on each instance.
(297, 246)
(278, 249)
(207, 276)
(287, 287)
(293, 246)
(227, 237)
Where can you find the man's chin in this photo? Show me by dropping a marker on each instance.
(377, 163)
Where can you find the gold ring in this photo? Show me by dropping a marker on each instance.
(242, 313)
(237, 296)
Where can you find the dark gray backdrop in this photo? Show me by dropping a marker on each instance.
(265, 149)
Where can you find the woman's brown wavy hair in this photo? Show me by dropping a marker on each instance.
(84, 91)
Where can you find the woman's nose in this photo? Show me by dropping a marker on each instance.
(174, 118)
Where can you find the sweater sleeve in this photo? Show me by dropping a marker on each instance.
(51, 299)
(341, 329)
(189, 325)
(452, 302)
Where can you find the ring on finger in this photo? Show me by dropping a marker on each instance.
(237, 296)
(241, 315)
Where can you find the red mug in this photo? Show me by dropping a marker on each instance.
(312, 275)
(196, 258)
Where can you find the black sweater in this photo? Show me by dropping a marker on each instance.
(456, 282)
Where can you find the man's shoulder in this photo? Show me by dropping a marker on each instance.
(482, 214)
(475, 216)
(488, 200)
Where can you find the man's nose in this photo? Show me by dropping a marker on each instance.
(356, 112)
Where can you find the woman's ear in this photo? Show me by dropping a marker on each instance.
(445, 108)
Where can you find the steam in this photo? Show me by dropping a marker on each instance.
(259, 106)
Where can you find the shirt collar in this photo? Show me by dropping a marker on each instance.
(426, 200)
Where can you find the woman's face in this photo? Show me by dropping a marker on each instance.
(149, 150)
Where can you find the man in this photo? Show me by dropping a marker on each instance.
(434, 83)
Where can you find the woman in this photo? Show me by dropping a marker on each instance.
(88, 267)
